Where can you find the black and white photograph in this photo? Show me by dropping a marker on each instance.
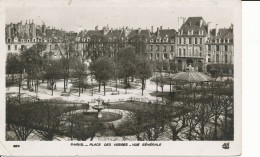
(127, 74)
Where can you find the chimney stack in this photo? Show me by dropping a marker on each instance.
(209, 28)
(157, 33)
(181, 21)
(216, 32)
(200, 22)
(152, 29)
(96, 28)
(139, 30)
(160, 27)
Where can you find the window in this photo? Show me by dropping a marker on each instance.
(179, 52)
(200, 40)
(217, 58)
(171, 57)
(209, 60)
(171, 48)
(9, 47)
(22, 47)
(157, 55)
(9, 40)
(226, 48)
(151, 47)
(15, 47)
(164, 48)
(200, 54)
(151, 56)
(189, 32)
(184, 41)
(165, 56)
(28, 40)
(158, 48)
(217, 47)
(34, 40)
(209, 47)
(226, 58)
(190, 41)
(196, 41)
(200, 48)
(184, 52)
(179, 40)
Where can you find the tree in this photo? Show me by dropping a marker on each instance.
(148, 123)
(139, 43)
(79, 72)
(126, 64)
(160, 81)
(143, 71)
(103, 70)
(32, 59)
(53, 72)
(50, 118)
(21, 116)
(13, 65)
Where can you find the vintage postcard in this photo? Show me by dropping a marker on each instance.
(113, 77)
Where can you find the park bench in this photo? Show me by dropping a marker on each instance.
(115, 93)
(108, 89)
(65, 94)
(24, 88)
(75, 90)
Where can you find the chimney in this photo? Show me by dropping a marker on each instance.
(209, 28)
(190, 23)
(160, 27)
(200, 22)
(216, 32)
(139, 30)
(152, 29)
(181, 21)
(96, 28)
(157, 33)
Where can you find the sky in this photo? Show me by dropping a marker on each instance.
(70, 18)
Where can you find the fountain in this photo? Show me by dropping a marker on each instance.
(99, 107)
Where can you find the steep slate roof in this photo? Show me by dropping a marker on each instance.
(114, 33)
(170, 33)
(93, 32)
(142, 32)
(193, 23)
(223, 33)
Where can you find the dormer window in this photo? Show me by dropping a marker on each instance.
(83, 39)
(22, 40)
(8, 40)
(201, 32)
(158, 40)
(151, 40)
(15, 39)
(190, 32)
(165, 39)
(28, 40)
